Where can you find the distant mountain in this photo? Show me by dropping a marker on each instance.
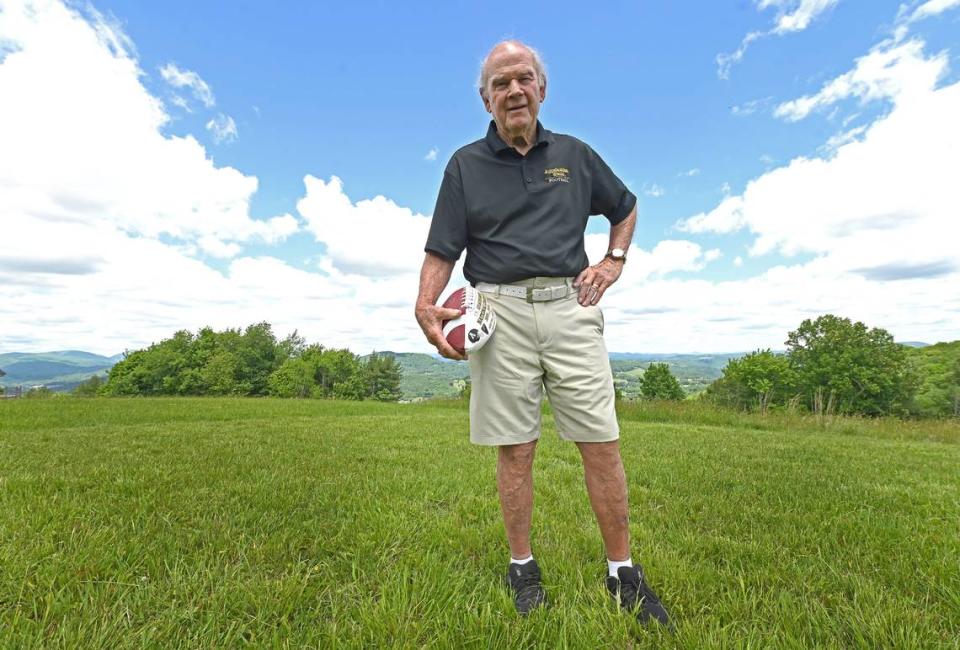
(61, 370)
(694, 371)
(914, 344)
(424, 375)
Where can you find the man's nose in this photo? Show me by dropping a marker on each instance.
(514, 88)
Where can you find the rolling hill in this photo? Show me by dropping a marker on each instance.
(59, 371)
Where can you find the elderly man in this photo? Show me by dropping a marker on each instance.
(518, 202)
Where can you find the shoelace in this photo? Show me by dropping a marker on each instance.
(629, 592)
(527, 580)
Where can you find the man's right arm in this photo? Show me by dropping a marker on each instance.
(434, 276)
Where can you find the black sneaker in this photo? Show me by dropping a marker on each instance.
(633, 593)
(524, 580)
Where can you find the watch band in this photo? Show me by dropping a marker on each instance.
(620, 258)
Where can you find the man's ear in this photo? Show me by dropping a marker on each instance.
(486, 102)
(543, 91)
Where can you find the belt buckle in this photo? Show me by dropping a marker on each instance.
(545, 294)
(537, 295)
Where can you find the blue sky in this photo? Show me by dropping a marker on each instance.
(365, 91)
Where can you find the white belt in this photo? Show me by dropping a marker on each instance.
(530, 294)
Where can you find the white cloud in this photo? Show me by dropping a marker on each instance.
(223, 128)
(103, 218)
(896, 73)
(725, 218)
(804, 12)
(668, 256)
(692, 315)
(928, 9)
(751, 107)
(877, 213)
(690, 172)
(432, 154)
(653, 190)
(180, 103)
(738, 261)
(727, 61)
(187, 79)
(792, 16)
(843, 138)
(373, 237)
(91, 185)
(85, 143)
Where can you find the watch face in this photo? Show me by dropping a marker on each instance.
(617, 252)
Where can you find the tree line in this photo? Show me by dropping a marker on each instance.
(250, 362)
(834, 366)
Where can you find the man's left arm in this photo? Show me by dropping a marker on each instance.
(594, 280)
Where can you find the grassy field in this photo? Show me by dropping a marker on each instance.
(217, 523)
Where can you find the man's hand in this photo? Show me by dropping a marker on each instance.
(433, 278)
(431, 319)
(596, 279)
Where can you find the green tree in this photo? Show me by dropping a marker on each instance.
(291, 347)
(381, 375)
(257, 357)
(956, 387)
(939, 367)
(754, 381)
(127, 376)
(90, 387)
(318, 372)
(338, 368)
(353, 387)
(659, 383)
(862, 369)
(220, 374)
(296, 377)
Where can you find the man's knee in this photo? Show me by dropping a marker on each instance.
(600, 452)
(517, 458)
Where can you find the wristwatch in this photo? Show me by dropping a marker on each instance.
(617, 254)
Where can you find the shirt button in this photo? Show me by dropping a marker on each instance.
(529, 180)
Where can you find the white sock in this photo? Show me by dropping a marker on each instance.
(523, 561)
(613, 565)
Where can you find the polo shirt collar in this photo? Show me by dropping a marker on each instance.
(496, 143)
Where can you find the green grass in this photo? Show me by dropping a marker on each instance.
(217, 523)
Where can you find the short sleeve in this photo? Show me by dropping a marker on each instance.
(608, 195)
(448, 228)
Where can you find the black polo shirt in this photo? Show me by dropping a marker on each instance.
(523, 216)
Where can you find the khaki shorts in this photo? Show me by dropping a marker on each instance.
(554, 345)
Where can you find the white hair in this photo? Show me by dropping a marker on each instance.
(538, 65)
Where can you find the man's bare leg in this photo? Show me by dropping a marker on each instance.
(515, 485)
(607, 488)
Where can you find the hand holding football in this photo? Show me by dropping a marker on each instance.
(476, 323)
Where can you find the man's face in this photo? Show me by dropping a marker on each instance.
(513, 92)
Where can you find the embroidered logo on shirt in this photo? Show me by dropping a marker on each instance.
(557, 175)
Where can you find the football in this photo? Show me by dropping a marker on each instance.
(476, 323)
